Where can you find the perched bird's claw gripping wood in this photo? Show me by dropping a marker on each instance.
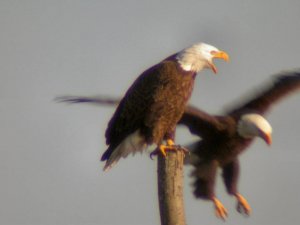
(220, 210)
(243, 206)
(170, 147)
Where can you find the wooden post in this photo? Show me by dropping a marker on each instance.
(170, 188)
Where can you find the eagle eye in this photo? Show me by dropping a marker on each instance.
(213, 52)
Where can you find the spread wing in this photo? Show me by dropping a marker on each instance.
(199, 122)
(283, 85)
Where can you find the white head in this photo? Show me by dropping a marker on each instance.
(254, 125)
(200, 56)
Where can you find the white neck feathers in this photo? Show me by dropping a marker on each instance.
(191, 59)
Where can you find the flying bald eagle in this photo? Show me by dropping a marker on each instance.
(224, 137)
(152, 106)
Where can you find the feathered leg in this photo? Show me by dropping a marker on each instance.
(205, 173)
(230, 177)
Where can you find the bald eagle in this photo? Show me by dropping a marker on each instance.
(224, 137)
(152, 106)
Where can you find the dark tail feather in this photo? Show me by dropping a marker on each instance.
(97, 100)
(106, 154)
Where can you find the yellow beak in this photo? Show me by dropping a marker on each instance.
(220, 55)
(266, 137)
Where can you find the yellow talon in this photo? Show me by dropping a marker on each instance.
(162, 149)
(242, 205)
(220, 210)
(170, 146)
(170, 142)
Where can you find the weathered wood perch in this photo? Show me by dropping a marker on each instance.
(170, 188)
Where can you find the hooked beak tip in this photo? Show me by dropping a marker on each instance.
(221, 55)
(268, 139)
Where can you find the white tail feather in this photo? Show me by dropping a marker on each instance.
(133, 143)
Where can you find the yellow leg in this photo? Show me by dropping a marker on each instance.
(170, 142)
(162, 149)
(242, 205)
(220, 210)
(170, 146)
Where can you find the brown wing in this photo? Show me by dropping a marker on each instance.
(283, 84)
(200, 122)
(133, 109)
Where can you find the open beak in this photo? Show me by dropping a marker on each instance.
(267, 138)
(219, 55)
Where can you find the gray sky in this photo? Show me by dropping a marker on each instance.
(49, 160)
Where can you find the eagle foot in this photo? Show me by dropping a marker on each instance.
(243, 206)
(163, 148)
(220, 210)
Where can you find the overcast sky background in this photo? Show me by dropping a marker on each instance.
(49, 159)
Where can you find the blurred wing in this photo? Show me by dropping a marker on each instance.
(283, 85)
(199, 122)
(97, 100)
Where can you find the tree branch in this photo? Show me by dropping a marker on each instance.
(170, 188)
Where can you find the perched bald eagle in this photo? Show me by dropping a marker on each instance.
(152, 106)
(224, 137)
